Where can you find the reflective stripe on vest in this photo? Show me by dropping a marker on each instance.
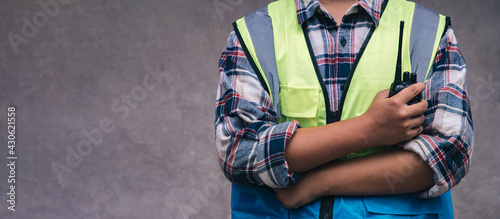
(281, 55)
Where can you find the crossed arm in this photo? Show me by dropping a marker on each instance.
(254, 149)
(388, 121)
(446, 145)
(395, 171)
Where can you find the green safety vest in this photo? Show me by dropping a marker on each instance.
(280, 52)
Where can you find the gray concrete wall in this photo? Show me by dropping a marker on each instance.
(114, 106)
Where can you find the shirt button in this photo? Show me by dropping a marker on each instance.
(342, 86)
(343, 42)
(333, 116)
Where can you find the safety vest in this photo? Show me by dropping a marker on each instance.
(280, 52)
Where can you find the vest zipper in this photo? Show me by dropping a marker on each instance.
(351, 73)
(327, 202)
(355, 64)
(330, 115)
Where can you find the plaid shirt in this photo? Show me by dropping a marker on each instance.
(251, 143)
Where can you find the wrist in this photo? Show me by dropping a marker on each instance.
(319, 182)
(366, 131)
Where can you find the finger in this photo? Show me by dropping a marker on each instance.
(416, 121)
(408, 93)
(414, 132)
(417, 108)
(418, 130)
(278, 194)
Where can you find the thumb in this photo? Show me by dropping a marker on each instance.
(382, 94)
(408, 93)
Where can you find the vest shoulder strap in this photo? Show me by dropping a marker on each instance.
(258, 32)
(427, 28)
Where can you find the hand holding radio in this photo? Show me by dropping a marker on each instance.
(398, 118)
(389, 121)
(408, 80)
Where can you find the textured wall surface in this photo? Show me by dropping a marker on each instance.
(114, 106)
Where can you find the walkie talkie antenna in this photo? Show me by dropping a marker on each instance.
(400, 50)
(408, 79)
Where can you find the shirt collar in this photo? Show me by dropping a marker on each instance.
(307, 8)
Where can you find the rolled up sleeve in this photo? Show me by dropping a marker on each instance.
(250, 142)
(447, 141)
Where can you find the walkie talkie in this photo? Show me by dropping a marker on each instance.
(408, 79)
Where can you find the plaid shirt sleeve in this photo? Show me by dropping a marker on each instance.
(447, 141)
(250, 142)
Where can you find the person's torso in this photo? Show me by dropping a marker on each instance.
(335, 49)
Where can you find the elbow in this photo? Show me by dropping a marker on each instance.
(248, 161)
(246, 174)
(460, 161)
(449, 175)
(226, 167)
(452, 168)
(233, 170)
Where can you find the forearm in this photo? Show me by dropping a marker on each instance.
(391, 172)
(312, 147)
(388, 121)
(395, 171)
